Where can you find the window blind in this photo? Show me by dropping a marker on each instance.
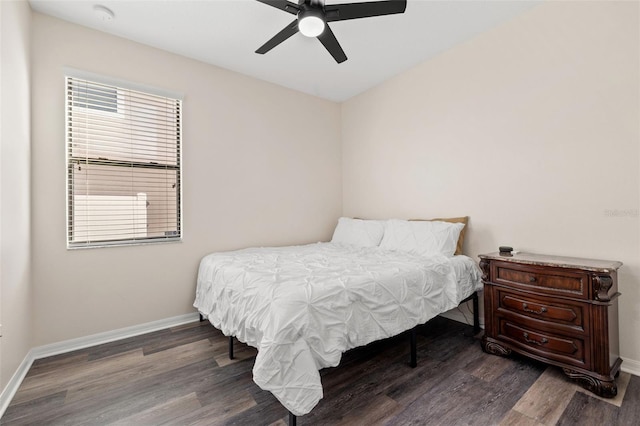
(123, 165)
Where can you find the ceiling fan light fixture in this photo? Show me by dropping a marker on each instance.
(310, 23)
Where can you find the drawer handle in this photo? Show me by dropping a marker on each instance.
(541, 342)
(532, 279)
(525, 308)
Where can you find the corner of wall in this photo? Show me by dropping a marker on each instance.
(15, 189)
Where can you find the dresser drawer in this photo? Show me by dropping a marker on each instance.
(571, 317)
(542, 280)
(566, 349)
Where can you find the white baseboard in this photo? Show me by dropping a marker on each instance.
(110, 336)
(630, 366)
(80, 343)
(14, 383)
(457, 315)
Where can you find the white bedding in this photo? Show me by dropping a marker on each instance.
(303, 306)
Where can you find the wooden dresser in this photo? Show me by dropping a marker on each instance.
(559, 310)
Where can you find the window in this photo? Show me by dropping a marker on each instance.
(123, 165)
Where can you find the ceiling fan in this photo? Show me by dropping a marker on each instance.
(313, 16)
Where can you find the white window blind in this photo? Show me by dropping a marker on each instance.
(123, 165)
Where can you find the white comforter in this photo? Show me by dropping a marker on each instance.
(303, 306)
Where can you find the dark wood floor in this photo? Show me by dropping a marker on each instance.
(182, 376)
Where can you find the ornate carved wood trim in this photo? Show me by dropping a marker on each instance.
(601, 286)
(495, 348)
(484, 266)
(605, 389)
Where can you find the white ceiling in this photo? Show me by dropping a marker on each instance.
(226, 33)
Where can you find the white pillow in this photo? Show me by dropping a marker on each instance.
(425, 238)
(358, 232)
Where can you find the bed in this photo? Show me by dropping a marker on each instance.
(303, 306)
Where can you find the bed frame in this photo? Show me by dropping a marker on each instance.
(413, 359)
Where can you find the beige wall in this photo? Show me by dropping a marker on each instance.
(15, 209)
(252, 175)
(531, 128)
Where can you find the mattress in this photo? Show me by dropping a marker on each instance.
(303, 306)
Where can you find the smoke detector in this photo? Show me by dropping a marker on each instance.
(103, 13)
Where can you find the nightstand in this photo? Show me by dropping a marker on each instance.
(559, 310)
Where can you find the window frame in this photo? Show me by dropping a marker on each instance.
(70, 161)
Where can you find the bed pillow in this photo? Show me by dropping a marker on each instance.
(358, 232)
(425, 238)
(463, 219)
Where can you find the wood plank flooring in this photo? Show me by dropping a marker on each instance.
(182, 376)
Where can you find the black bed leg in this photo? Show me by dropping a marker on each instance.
(230, 347)
(292, 419)
(476, 314)
(201, 318)
(412, 340)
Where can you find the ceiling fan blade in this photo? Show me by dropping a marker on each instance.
(285, 5)
(286, 32)
(330, 42)
(342, 12)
